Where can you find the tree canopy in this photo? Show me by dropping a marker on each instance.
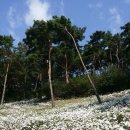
(27, 75)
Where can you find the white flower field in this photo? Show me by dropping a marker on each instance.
(72, 114)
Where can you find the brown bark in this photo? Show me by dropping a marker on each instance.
(93, 85)
(99, 61)
(40, 76)
(66, 70)
(49, 75)
(111, 57)
(5, 81)
(36, 83)
(25, 84)
(117, 57)
(94, 65)
(122, 63)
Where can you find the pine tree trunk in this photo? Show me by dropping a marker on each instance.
(117, 56)
(50, 81)
(94, 65)
(36, 83)
(99, 61)
(93, 85)
(4, 89)
(41, 78)
(122, 63)
(66, 69)
(25, 85)
(111, 57)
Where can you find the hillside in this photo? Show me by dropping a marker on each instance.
(73, 114)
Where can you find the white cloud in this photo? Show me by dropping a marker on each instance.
(11, 16)
(14, 21)
(97, 5)
(115, 20)
(14, 35)
(14, 18)
(37, 10)
(127, 1)
(62, 7)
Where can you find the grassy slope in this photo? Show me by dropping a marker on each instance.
(73, 114)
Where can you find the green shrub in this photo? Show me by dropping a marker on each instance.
(77, 87)
(112, 79)
(109, 80)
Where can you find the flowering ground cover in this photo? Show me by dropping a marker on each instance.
(72, 114)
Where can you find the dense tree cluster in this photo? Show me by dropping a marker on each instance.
(49, 51)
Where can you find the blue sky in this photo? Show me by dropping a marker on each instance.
(18, 15)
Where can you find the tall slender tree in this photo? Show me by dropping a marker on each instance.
(6, 43)
(92, 83)
(125, 35)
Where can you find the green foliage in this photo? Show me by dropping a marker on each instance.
(106, 53)
(120, 118)
(113, 79)
(77, 87)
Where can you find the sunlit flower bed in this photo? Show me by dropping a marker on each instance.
(73, 114)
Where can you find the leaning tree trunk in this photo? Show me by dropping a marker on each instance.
(49, 75)
(4, 89)
(93, 85)
(66, 70)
